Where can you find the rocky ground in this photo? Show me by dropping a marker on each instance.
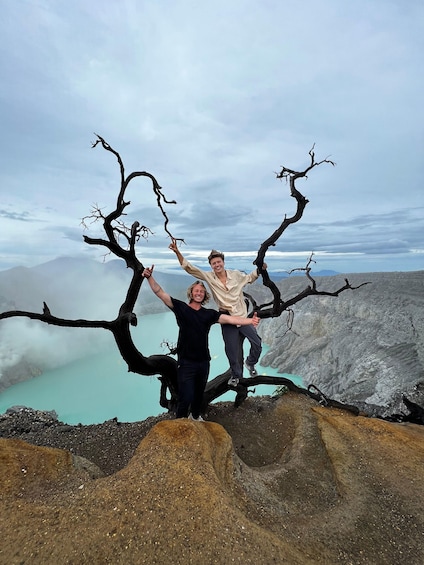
(109, 446)
(273, 481)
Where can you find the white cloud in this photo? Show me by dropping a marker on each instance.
(212, 98)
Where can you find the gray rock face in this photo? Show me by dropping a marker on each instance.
(23, 370)
(365, 347)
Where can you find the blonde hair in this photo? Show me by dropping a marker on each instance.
(190, 292)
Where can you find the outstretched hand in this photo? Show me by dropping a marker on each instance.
(147, 273)
(173, 246)
(255, 319)
(262, 269)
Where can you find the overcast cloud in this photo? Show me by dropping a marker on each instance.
(212, 98)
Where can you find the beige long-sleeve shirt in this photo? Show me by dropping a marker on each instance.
(228, 296)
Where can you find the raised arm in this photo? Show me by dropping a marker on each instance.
(157, 289)
(174, 247)
(239, 320)
(188, 267)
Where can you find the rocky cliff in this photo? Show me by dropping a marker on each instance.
(365, 347)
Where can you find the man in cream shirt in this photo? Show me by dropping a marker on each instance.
(227, 290)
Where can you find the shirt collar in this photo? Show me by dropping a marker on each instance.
(228, 273)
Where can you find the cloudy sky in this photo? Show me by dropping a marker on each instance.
(212, 98)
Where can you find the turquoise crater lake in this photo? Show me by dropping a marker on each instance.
(99, 387)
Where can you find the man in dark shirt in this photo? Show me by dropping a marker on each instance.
(194, 322)
(227, 287)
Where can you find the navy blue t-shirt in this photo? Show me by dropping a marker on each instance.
(194, 330)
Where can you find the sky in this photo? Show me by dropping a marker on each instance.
(213, 98)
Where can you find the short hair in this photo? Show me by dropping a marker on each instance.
(214, 253)
(190, 291)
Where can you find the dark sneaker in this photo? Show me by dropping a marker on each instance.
(233, 381)
(251, 368)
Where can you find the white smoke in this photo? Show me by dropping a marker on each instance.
(43, 346)
(72, 289)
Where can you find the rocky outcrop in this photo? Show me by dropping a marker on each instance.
(365, 347)
(22, 370)
(27, 468)
(276, 481)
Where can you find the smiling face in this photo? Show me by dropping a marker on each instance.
(217, 265)
(197, 293)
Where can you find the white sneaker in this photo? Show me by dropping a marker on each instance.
(199, 419)
(233, 381)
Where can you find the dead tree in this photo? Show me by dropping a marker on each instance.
(121, 240)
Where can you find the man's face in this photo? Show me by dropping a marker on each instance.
(198, 293)
(217, 265)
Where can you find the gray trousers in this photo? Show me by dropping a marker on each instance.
(232, 337)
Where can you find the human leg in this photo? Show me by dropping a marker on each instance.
(186, 377)
(231, 337)
(200, 381)
(255, 347)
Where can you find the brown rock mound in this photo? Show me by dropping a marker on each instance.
(25, 467)
(270, 482)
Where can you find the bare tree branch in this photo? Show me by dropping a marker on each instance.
(121, 240)
(48, 318)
